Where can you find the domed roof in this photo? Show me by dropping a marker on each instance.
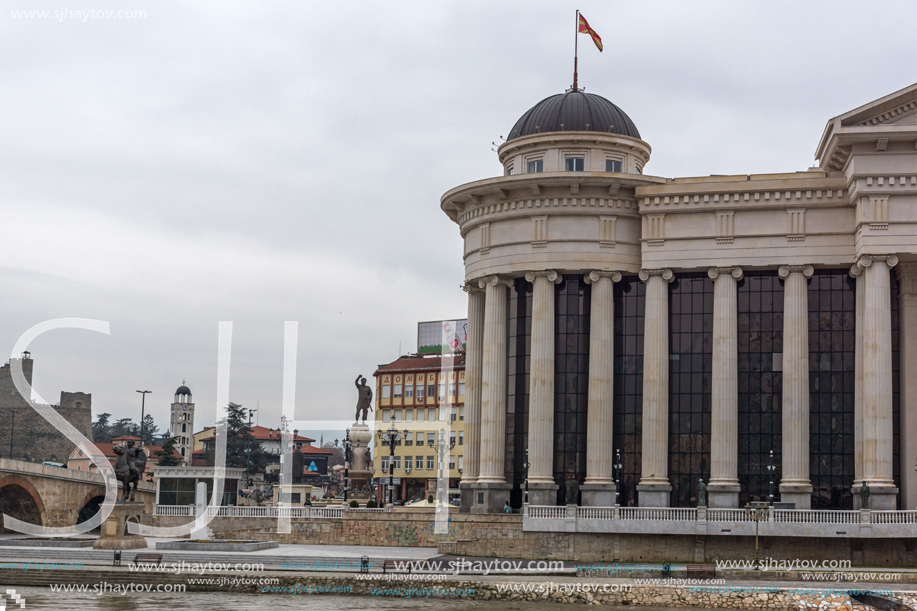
(574, 111)
(183, 390)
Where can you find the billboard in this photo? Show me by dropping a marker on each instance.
(442, 336)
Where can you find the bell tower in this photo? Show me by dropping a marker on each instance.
(182, 424)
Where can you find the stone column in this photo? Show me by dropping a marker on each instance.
(654, 488)
(795, 486)
(907, 355)
(723, 489)
(474, 358)
(856, 272)
(542, 488)
(599, 487)
(877, 382)
(491, 489)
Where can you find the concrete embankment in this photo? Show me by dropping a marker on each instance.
(736, 595)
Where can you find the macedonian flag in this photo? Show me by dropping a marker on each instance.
(585, 29)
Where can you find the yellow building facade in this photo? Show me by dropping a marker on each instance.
(420, 397)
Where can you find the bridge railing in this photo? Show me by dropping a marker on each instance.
(250, 511)
(173, 510)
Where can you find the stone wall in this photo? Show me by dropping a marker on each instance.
(411, 528)
(502, 536)
(485, 540)
(34, 438)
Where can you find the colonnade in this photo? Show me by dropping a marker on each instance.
(484, 478)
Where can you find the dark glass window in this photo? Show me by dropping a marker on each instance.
(832, 347)
(690, 365)
(612, 165)
(518, 345)
(574, 164)
(760, 383)
(629, 300)
(534, 166)
(571, 380)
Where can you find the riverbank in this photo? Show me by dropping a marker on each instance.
(734, 594)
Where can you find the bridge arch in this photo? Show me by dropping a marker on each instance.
(20, 499)
(90, 504)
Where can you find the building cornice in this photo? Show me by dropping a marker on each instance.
(502, 190)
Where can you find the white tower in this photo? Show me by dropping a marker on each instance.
(182, 424)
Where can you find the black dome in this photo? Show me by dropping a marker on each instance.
(183, 390)
(574, 111)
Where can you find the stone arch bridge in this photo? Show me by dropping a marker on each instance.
(54, 496)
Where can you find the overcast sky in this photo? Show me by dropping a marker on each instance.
(260, 162)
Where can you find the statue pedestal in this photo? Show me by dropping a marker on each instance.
(114, 529)
(359, 489)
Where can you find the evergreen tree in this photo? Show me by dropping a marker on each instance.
(167, 455)
(124, 426)
(239, 442)
(149, 429)
(101, 429)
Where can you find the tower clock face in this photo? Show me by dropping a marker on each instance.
(185, 407)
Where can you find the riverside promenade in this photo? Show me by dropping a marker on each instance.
(336, 570)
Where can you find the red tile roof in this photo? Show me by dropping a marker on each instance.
(263, 433)
(420, 363)
(108, 451)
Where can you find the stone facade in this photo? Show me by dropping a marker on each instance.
(34, 439)
(574, 204)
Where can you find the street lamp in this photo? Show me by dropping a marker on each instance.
(143, 394)
(617, 466)
(391, 438)
(441, 445)
(526, 465)
(347, 447)
(248, 459)
(771, 467)
(756, 511)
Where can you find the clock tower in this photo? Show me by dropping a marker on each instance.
(182, 424)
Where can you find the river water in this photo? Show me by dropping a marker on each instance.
(43, 598)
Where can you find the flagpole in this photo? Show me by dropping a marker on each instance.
(575, 49)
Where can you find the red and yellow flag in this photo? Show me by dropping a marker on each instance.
(585, 29)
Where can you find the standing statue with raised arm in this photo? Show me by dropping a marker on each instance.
(364, 399)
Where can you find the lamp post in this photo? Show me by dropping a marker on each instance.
(143, 394)
(756, 511)
(526, 465)
(441, 445)
(248, 459)
(771, 467)
(347, 448)
(617, 466)
(391, 438)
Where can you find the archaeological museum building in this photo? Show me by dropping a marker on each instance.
(638, 334)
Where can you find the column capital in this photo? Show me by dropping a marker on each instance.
(666, 274)
(550, 274)
(472, 286)
(865, 261)
(595, 275)
(735, 272)
(494, 280)
(786, 270)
